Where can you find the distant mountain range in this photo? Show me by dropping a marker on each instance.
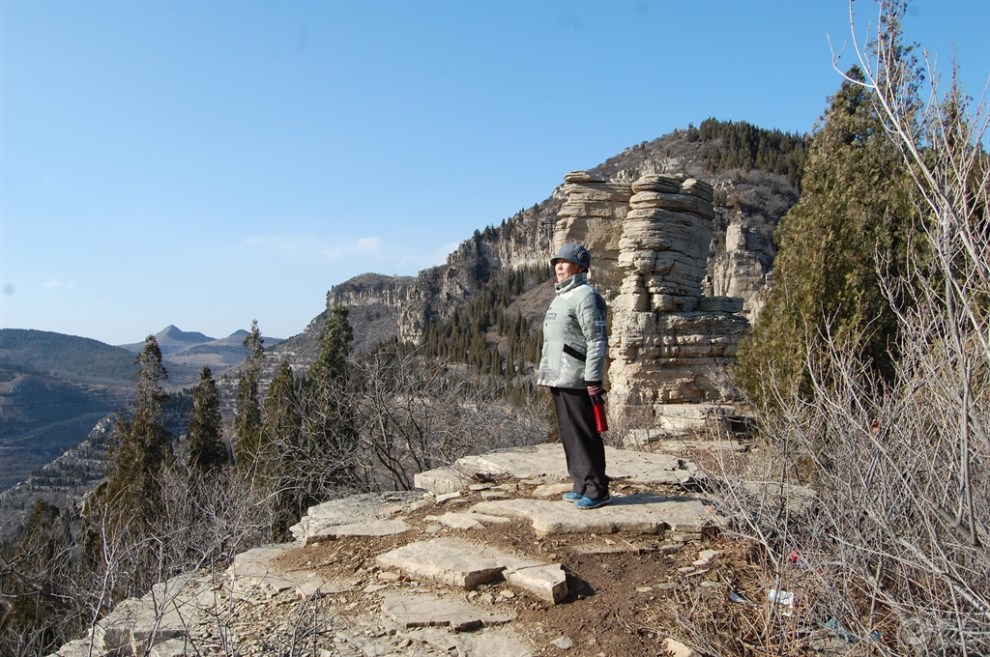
(191, 351)
(54, 388)
(750, 198)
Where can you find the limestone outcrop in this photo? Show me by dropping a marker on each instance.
(669, 341)
(682, 259)
(393, 574)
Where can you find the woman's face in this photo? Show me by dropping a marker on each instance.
(565, 269)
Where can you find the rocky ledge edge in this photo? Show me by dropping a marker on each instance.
(422, 597)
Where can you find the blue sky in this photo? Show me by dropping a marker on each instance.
(205, 164)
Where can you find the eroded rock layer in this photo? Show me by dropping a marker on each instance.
(669, 342)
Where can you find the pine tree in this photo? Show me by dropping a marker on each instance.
(207, 452)
(247, 421)
(282, 420)
(854, 207)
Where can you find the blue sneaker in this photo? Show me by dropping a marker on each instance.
(588, 503)
(571, 496)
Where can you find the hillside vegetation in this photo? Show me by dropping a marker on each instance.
(54, 388)
(870, 383)
(322, 426)
(67, 356)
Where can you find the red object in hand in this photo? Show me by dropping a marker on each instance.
(601, 422)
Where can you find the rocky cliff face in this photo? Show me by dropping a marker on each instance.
(384, 307)
(681, 256)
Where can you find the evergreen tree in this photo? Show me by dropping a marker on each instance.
(282, 420)
(247, 421)
(37, 572)
(144, 444)
(855, 207)
(206, 449)
(279, 447)
(330, 424)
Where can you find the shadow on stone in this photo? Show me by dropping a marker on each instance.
(577, 587)
(647, 498)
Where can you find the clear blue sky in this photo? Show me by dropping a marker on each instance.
(205, 164)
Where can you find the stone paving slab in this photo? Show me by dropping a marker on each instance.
(647, 513)
(468, 520)
(545, 463)
(453, 562)
(254, 577)
(426, 609)
(548, 582)
(355, 510)
(317, 532)
(494, 642)
(137, 624)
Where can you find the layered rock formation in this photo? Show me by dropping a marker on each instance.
(739, 271)
(683, 266)
(669, 341)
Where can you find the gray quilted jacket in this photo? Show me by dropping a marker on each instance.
(574, 337)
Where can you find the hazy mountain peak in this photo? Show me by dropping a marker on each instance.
(172, 333)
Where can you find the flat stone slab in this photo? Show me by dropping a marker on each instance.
(252, 574)
(254, 577)
(318, 532)
(468, 520)
(546, 582)
(646, 513)
(493, 642)
(453, 562)
(546, 463)
(431, 610)
(138, 624)
(355, 511)
(551, 491)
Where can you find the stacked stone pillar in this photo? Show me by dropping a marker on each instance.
(592, 214)
(651, 243)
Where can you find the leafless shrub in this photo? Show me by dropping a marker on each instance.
(416, 415)
(891, 558)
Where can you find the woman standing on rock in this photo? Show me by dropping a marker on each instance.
(573, 367)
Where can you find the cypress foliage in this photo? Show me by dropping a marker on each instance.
(280, 443)
(144, 445)
(207, 452)
(37, 559)
(282, 423)
(330, 428)
(247, 421)
(854, 208)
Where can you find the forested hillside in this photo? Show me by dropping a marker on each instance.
(55, 387)
(41, 416)
(439, 307)
(67, 356)
(53, 390)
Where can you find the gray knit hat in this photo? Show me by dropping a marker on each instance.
(575, 253)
